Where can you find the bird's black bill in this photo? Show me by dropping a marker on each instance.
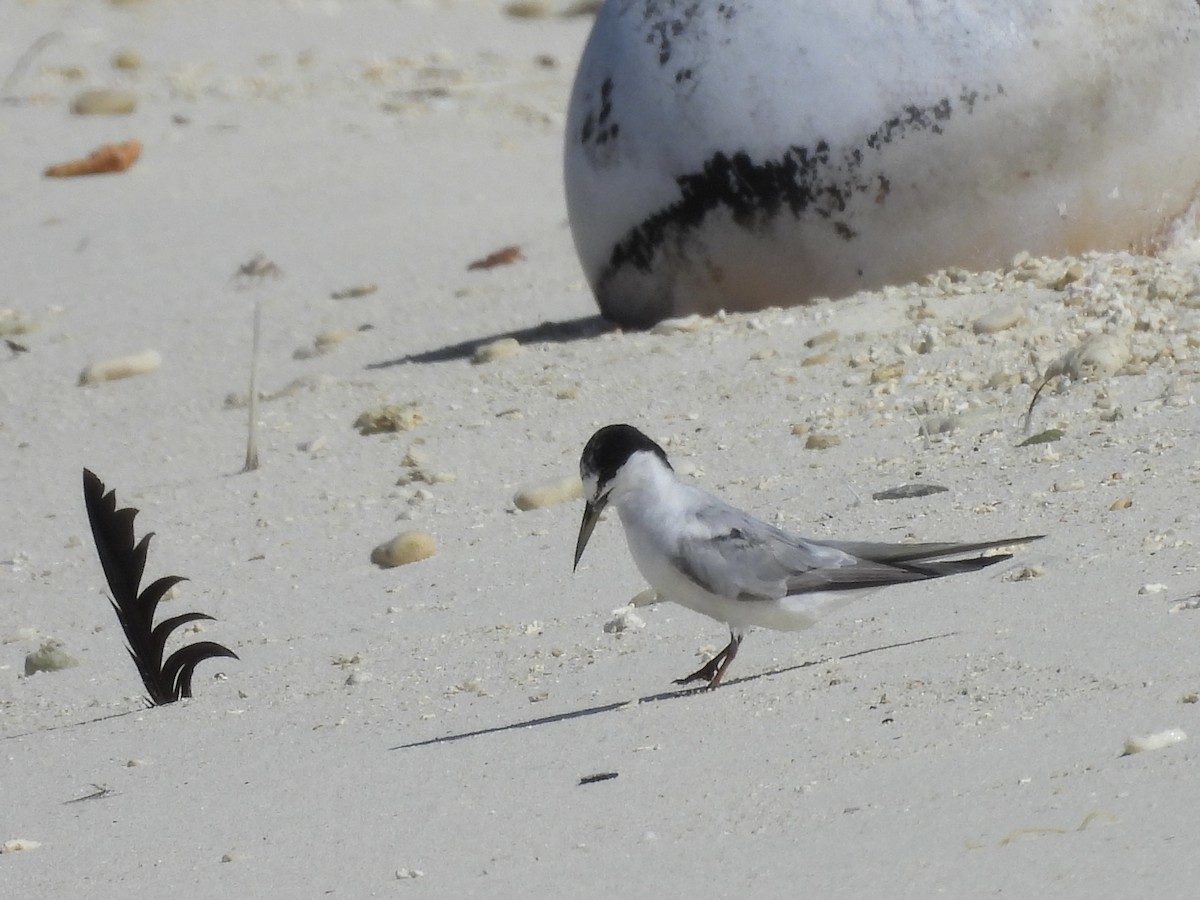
(591, 515)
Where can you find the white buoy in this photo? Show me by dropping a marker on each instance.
(747, 153)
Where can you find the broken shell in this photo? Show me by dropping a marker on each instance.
(406, 547)
(109, 158)
(121, 367)
(549, 493)
(624, 619)
(50, 657)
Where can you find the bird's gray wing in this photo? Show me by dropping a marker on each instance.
(732, 554)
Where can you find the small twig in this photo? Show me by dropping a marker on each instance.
(252, 435)
(255, 272)
(100, 792)
(1028, 422)
(922, 428)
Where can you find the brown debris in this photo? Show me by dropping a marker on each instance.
(109, 158)
(503, 257)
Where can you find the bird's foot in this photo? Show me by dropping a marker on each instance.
(714, 670)
(706, 672)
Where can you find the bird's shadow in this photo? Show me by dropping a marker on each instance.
(652, 698)
(578, 329)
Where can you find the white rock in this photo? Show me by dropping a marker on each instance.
(751, 153)
(406, 547)
(121, 367)
(548, 493)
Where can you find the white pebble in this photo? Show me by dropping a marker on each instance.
(548, 493)
(16, 845)
(1156, 741)
(406, 547)
(1153, 588)
(121, 367)
(104, 102)
(503, 348)
(999, 320)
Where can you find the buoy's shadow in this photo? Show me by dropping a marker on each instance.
(652, 698)
(542, 333)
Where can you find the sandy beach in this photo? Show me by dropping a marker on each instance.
(437, 727)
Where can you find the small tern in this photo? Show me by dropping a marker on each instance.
(708, 556)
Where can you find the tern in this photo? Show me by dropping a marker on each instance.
(698, 551)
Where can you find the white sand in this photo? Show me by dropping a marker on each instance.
(961, 738)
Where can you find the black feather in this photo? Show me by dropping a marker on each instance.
(124, 562)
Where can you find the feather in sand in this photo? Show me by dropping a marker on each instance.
(124, 562)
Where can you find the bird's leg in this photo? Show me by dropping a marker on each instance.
(735, 641)
(714, 670)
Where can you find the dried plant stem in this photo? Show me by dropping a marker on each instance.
(252, 435)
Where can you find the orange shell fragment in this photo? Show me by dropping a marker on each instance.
(109, 158)
(503, 257)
